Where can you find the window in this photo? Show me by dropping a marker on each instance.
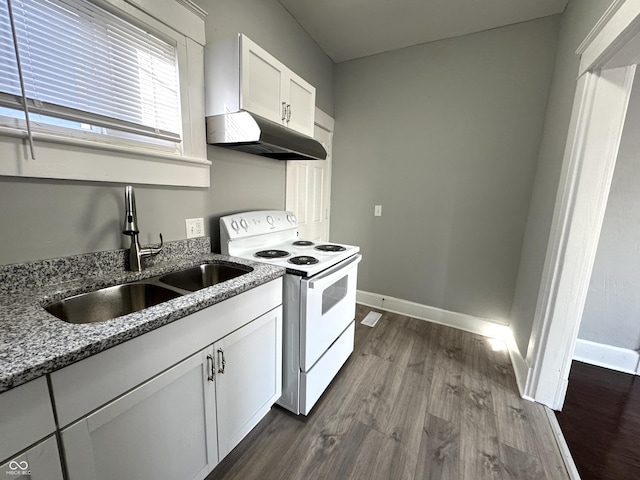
(103, 78)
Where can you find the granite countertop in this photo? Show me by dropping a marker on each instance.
(34, 342)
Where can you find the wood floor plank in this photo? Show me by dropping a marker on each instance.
(439, 454)
(519, 465)
(423, 354)
(548, 452)
(378, 394)
(479, 452)
(331, 456)
(447, 391)
(405, 426)
(391, 341)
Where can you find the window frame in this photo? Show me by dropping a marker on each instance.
(65, 154)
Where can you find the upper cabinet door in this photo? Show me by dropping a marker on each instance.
(262, 80)
(269, 89)
(302, 105)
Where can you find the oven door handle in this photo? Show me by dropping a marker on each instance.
(329, 276)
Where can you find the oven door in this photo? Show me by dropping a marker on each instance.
(328, 304)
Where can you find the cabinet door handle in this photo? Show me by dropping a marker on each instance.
(284, 111)
(221, 361)
(211, 367)
(288, 113)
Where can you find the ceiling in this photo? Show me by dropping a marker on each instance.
(348, 29)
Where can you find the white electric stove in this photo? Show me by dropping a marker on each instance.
(318, 299)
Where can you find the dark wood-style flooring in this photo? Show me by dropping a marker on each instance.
(600, 422)
(415, 400)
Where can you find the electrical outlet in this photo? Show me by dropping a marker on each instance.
(377, 210)
(195, 227)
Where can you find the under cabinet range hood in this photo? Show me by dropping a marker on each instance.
(250, 133)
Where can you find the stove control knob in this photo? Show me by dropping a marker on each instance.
(293, 219)
(270, 220)
(235, 225)
(243, 223)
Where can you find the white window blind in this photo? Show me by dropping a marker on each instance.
(82, 63)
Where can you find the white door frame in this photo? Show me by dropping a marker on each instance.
(607, 68)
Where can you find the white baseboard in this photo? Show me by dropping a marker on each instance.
(520, 366)
(462, 321)
(607, 356)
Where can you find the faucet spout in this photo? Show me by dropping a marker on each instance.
(130, 228)
(130, 221)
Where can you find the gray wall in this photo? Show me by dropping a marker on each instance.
(577, 20)
(49, 218)
(612, 310)
(445, 136)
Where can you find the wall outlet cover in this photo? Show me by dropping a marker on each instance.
(194, 227)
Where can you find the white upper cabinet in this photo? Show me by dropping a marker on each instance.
(262, 82)
(302, 105)
(240, 75)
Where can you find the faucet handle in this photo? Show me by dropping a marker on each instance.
(154, 249)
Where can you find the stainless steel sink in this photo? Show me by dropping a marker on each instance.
(203, 276)
(111, 302)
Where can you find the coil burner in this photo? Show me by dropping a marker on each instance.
(272, 254)
(303, 243)
(303, 260)
(330, 248)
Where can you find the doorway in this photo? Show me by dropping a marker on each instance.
(607, 69)
(308, 186)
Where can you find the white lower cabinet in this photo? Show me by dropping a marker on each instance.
(180, 423)
(163, 430)
(40, 462)
(249, 377)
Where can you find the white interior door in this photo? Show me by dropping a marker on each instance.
(308, 186)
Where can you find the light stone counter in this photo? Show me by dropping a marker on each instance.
(34, 343)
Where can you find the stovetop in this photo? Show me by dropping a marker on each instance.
(272, 237)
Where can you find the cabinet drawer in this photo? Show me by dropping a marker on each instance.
(40, 462)
(85, 386)
(26, 415)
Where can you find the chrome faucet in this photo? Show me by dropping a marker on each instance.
(136, 252)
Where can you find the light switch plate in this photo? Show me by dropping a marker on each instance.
(377, 210)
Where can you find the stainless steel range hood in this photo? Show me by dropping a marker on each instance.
(251, 133)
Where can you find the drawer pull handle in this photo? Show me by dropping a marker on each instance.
(221, 361)
(211, 368)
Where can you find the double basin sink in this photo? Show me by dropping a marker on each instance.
(112, 302)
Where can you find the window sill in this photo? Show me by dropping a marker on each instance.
(78, 159)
